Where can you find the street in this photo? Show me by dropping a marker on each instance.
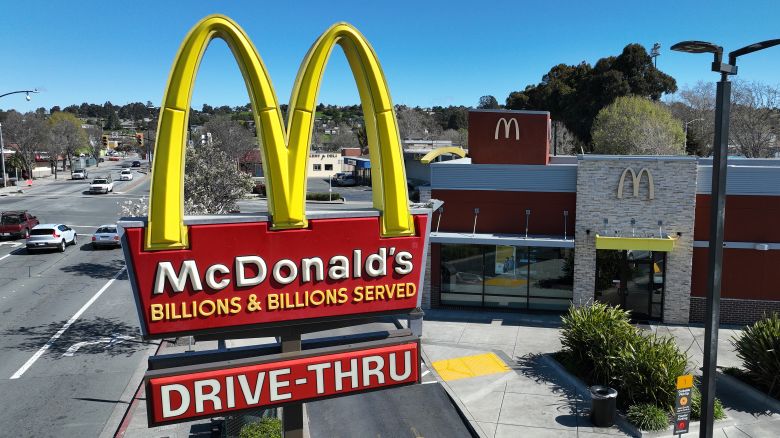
(70, 333)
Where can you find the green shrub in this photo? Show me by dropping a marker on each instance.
(759, 348)
(718, 413)
(647, 416)
(265, 428)
(602, 347)
(323, 196)
(593, 336)
(648, 370)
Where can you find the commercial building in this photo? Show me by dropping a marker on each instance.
(523, 230)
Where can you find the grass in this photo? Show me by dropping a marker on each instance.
(647, 416)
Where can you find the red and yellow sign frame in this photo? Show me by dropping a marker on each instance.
(224, 273)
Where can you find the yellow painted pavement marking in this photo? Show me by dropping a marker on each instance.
(470, 366)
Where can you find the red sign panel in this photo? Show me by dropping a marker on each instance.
(186, 396)
(239, 275)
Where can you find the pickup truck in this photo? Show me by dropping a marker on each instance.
(17, 223)
(79, 174)
(101, 185)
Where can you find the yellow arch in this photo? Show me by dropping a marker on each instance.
(284, 160)
(430, 156)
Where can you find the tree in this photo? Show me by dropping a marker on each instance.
(344, 138)
(755, 119)
(29, 132)
(635, 125)
(212, 182)
(95, 140)
(574, 94)
(563, 141)
(411, 123)
(112, 122)
(488, 102)
(230, 136)
(66, 136)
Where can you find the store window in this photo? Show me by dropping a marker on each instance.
(318, 167)
(502, 276)
(328, 167)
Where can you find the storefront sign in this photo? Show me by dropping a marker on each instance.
(184, 394)
(636, 179)
(217, 273)
(682, 410)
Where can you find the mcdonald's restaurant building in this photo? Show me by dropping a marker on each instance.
(524, 230)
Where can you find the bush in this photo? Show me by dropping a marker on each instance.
(718, 413)
(323, 196)
(647, 416)
(759, 348)
(648, 370)
(593, 336)
(265, 428)
(602, 347)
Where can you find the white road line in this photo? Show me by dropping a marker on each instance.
(425, 373)
(5, 256)
(70, 322)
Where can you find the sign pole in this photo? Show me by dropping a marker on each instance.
(292, 414)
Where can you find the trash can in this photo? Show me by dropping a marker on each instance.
(603, 405)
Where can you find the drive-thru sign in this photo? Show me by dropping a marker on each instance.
(284, 271)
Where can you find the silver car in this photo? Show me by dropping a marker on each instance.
(106, 236)
(45, 236)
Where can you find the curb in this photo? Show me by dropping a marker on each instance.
(748, 391)
(464, 413)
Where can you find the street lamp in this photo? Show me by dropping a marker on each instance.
(2, 145)
(717, 211)
(685, 143)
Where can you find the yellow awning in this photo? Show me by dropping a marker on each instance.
(665, 244)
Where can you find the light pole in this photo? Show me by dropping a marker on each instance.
(2, 145)
(717, 212)
(685, 143)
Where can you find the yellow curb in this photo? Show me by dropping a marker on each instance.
(469, 366)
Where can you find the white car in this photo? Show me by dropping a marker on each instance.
(101, 185)
(126, 175)
(45, 236)
(106, 236)
(79, 174)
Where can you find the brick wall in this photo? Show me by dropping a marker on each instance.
(734, 311)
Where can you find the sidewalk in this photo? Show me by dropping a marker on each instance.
(24, 188)
(528, 397)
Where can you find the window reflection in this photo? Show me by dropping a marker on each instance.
(505, 276)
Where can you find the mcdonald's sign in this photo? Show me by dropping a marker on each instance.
(212, 274)
(636, 179)
(507, 124)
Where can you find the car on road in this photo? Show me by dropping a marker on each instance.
(136, 164)
(17, 223)
(101, 185)
(113, 158)
(345, 181)
(126, 175)
(106, 236)
(46, 236)
(79, 174)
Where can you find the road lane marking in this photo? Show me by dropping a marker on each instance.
(5, 256)
(62, 330)
(115, 339)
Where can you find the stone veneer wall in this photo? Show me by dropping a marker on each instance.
(674, 203)
(733, 311)
(426, 292)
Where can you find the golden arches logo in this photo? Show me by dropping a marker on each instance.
(636, 179)
(286, 149)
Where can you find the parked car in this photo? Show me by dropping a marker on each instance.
(45, 236)
(136, 164)
(126, 175)
(106, 236)
(345, 181)
(101, 185)
(79, 174)
(17, 223)
(113, 158)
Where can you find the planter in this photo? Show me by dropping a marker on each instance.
(620, 420)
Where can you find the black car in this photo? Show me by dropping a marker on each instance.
(136, 164)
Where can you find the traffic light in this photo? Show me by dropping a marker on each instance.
(139, 138)
(105, 141)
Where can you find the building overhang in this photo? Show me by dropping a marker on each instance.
(663, 244)
(501, 239)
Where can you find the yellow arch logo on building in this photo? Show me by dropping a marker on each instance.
(286, 149)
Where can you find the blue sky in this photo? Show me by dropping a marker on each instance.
(433, 53)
